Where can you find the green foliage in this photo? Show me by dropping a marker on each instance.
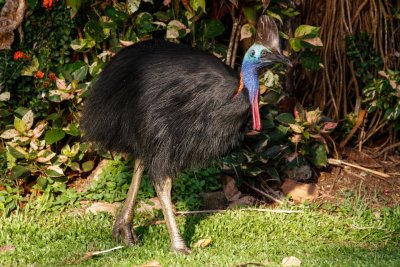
(383, 93)
(380, 87)
(190, 185)
(9, 197)
(286, 141)
(366, 60)
(45, 78)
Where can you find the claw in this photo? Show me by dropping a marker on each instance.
(181, 249)
(124, 232)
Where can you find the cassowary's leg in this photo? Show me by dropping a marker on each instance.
(123, 224)
(163, 189)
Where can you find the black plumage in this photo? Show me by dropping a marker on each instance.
(172, 107)
(168, 104)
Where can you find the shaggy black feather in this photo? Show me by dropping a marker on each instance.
(168, 104)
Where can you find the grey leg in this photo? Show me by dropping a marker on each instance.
(123, 224)
(163, 189)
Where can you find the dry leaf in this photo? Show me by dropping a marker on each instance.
(126, 43)
(299, 192)
(7, 248)
(231, 192)
(243, 201)
(291, 261)
(103, 207)
(362, 158)
(314, 41)
(149, 205)
(202, 243)
(214, 200)
(152, 263)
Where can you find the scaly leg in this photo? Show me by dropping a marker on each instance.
(123, 223)
(163, 189)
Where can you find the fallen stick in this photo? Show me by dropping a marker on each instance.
(340, 163)
(105, 251)
(249, 209)
(263, 193)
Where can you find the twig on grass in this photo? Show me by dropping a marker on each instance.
(89, 255)
(223, 211)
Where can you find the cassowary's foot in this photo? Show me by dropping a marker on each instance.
(180, 247)
(123, 231)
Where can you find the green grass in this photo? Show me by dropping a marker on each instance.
(353, 236)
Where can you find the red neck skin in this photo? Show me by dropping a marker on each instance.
(256, 115)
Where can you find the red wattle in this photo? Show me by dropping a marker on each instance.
(256, 115)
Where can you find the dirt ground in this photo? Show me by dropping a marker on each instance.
(339, 183)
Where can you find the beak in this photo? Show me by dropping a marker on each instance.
(279, 58)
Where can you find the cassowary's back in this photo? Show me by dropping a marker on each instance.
(168, 104)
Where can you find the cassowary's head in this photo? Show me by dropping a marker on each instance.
(263, 53)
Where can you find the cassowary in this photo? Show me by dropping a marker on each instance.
(173, 107)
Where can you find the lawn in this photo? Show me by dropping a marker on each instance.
(349, 235)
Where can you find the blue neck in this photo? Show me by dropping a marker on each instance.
(250, 79)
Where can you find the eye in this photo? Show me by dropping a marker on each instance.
(264, 53)
(252, 53)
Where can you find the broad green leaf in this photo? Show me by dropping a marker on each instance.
(16, 151)
(254, 171)
(310, 60)
(32, 68)
(20, 125)
(81, 73)
(18, 172)
(296, 128)
(42, 181)
(45, 156)
(274, 15)
(53, 135)
(250, 12)
(162, 16)
(295, 43)
(306, 31)
(87, 166)
(144, 22)
(68, 70)
(54, 171)
(74, 5)
(318, 156)
(75, 166)
(71, 129)
(132, 6)
(273, 173)
(117, 16)
(273, 151)
(9, 134)
(196, 4)
(94, 29)
(285, 118)
(212, 28)
(83, 45)
(290, 12)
